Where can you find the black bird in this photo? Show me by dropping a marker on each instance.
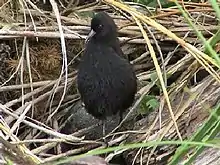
(106, 81)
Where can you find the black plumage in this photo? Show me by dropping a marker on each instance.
(106, 81)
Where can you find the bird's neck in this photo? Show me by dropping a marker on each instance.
(108, 41)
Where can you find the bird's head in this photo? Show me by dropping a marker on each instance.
(103, 28)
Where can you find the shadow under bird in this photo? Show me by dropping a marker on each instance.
(106, 81)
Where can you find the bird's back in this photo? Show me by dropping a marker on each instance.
(106, 82)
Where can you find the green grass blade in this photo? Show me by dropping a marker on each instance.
(208, 47)
(202, 133)
(200, 149)
(131, 146)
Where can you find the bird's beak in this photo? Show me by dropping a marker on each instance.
(91, 34)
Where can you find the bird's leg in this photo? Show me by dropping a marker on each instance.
(121, 117)
(103, 128)
(120, 120)
(103, 132)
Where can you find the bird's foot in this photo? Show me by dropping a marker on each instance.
(105, 142)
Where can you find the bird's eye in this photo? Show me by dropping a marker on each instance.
(100, 26)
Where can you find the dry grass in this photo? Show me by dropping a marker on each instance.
(40, 95)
